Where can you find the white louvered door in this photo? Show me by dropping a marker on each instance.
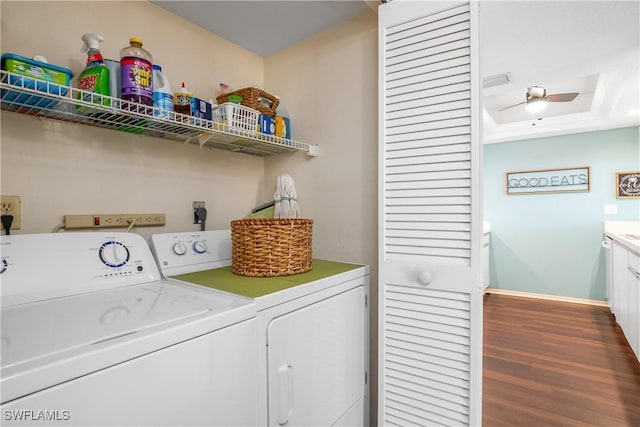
(430, 228)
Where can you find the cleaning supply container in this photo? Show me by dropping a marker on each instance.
(34, 74)
(162, 94)
(282, 123)
(182, 101)
(94, 80)
(236, 117)
(114, 77)
(136, 76)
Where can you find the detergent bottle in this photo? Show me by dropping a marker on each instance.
(94, 79)
(136, 72)
(162, 94)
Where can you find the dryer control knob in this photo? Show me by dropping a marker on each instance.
(179, 248)
(113, 254)
(200, 247)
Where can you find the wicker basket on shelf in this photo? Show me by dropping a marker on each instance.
(255, 98)
(271, 247)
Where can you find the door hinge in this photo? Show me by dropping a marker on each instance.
(366, 301)
(366, 377)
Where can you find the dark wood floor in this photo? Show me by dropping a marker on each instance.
(551, 363)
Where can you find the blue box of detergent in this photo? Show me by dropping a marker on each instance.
(266, 124)
(200, 108)
(32, 75)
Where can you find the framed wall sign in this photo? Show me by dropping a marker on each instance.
(549, 181)
(628, 185)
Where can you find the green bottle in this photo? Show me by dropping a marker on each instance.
(94, 79)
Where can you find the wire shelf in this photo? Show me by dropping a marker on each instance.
(44, 99)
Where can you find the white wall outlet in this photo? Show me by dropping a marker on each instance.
(11, 206)
(611, 209)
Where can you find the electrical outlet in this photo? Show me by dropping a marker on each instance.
(10, 205)
(197, 205)
(113, 220)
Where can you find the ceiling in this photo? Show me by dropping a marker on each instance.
(266, 27)
(589, 47)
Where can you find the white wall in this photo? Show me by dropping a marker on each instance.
(329, 86)
(59, 168)
(549, 243)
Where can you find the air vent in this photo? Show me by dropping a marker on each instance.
(497, 80)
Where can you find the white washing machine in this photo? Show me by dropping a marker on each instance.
(312, 341)
(91, 335)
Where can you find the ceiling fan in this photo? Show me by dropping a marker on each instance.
(536, 99)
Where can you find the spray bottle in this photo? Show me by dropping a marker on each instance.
(94, 79)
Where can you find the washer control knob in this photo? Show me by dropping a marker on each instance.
(114, 254)
(3, 266)
(200, 247)
(179, 248)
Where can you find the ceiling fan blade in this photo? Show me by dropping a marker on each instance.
(562, 97)
(511, 106)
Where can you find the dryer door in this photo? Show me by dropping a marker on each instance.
(316, 361)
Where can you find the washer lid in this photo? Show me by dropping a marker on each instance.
(48, 342)
(40, 329)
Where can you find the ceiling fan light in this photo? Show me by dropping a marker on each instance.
(536, 105)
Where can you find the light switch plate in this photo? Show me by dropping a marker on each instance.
(611, 209)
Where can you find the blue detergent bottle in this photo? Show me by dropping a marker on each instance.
(162, 94)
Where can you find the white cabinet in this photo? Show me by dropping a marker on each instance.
(633, 316)
(620, 263)
(625, 276)
(608, 256)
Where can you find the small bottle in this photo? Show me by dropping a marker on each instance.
(182, 101)
(136, 73)
(162, 94)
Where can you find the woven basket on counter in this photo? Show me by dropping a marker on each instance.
(255, 98)
(271, 247)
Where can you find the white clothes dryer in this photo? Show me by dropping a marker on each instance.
(312, 340)
(91, 335)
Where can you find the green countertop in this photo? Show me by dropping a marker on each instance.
(224, 280)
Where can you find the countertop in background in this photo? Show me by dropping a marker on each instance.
(627, 233)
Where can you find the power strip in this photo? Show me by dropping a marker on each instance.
(113, 220)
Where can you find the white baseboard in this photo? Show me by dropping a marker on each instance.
(546, 297)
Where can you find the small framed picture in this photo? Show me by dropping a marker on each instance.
(628, 185)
